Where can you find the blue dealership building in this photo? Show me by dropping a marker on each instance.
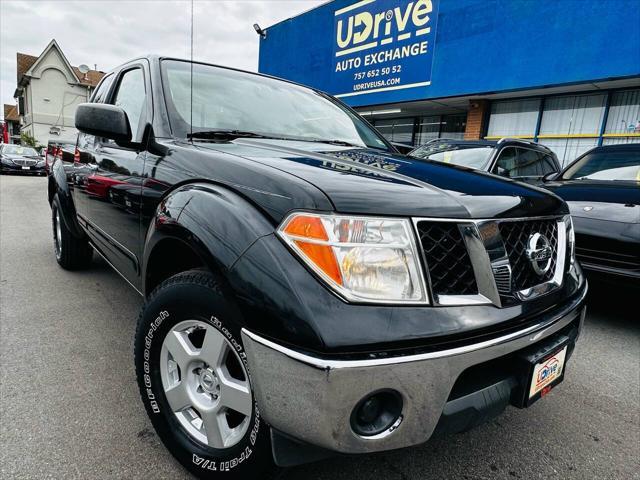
(565, 73)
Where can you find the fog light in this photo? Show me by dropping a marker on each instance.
(376, 413)
(369, 410)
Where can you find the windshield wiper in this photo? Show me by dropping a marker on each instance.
(330, 142)
(222, 135)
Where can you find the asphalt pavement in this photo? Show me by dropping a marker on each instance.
(69, 404)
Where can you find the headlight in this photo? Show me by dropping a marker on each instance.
(571, 239)
(365, 259)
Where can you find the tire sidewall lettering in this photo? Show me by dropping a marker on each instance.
(201, 461)
(155, 407)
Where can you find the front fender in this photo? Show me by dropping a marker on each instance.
(215, 222)
(59, 184)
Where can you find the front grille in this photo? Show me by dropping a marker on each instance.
(445, 252)
(450, 257)
(515, 236)
(25, 162)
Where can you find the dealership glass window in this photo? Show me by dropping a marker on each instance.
(453, 126)
(620, 140)
(440, 126)
(514, 118)
(571, 115)
(624, 113)
(428, 129)
(570, 124)
(396, 129)
(568, 149)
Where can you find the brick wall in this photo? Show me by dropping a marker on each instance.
(476, 118)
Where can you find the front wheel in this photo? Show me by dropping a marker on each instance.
(194, 381)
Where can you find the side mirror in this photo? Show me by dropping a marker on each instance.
(102, 120)
(550, 176)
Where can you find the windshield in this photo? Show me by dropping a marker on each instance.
(605, 165)
(472, 156)
(229, 100)
(18, 150)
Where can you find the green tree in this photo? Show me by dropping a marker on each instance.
(29, 140)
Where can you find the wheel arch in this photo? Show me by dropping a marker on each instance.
(58, 184)
(169, 257)
(199, 225)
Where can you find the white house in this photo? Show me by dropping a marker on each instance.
(49, 90)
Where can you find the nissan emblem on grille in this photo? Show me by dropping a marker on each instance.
(539, 253)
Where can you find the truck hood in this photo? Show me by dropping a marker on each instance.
(368, 181)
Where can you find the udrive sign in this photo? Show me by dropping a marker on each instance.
(383, 45)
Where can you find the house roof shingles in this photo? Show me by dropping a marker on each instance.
(91, 78)
(11, 113)
(25, 62)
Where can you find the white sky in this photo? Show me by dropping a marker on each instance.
(108, 33)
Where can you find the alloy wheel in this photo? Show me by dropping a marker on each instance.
(206, 384)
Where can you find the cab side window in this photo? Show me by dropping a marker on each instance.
(528, 164)
(100, 95)
(523, 163)
(506, 162)
(130, 96)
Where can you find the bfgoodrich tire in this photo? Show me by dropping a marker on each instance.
(194, 381)
(72, 253)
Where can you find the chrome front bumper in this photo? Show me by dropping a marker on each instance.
(312, 399)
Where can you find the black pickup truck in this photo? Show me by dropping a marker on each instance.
(309, 291)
